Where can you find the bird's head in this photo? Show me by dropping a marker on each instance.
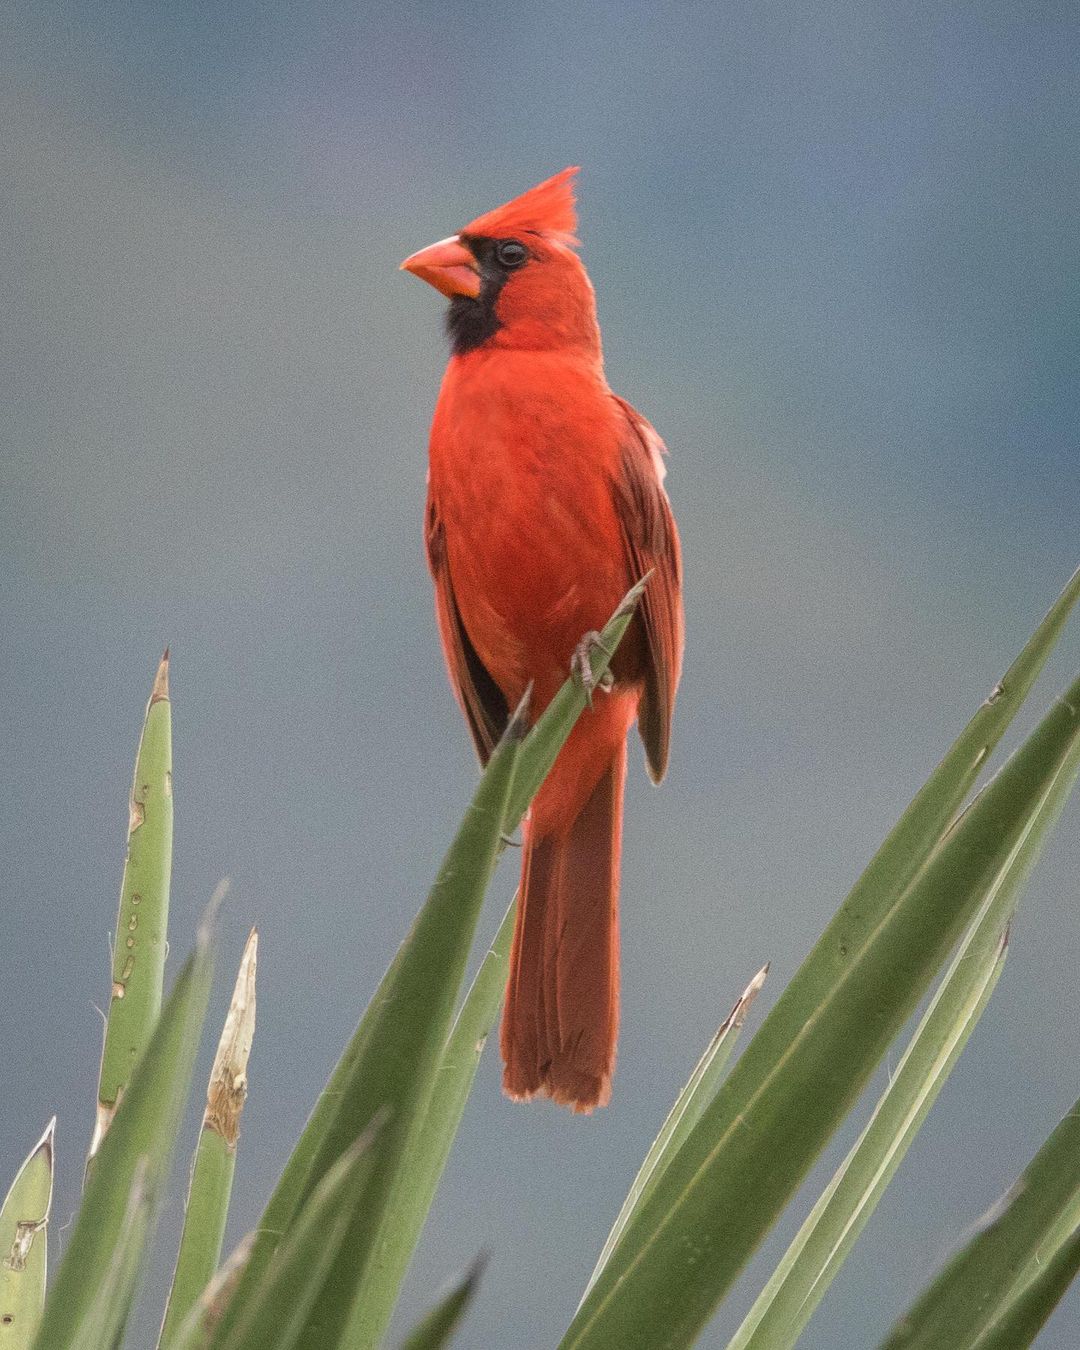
(512, 276)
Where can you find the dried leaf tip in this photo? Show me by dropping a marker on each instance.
(227, 1090)
(160, 691)
(45, 1144)
(103, 1118)
(756, 984)
(737, 1016)
(629, 602)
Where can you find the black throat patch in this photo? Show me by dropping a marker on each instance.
(470, 323)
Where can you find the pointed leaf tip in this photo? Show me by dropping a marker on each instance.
(437, 1329)
(629, 602)
(47, 1143)
(476, 1271)
(227, 1090)
(746, 998)
(160, 691)
(210, 915)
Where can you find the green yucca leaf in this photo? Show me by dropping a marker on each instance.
(396, 1070)
(822, 1244)
(699, 1091)
(974, 1299)
(818, 1046)
(24, 1219)
(102, 1324)
(139, 952)
(1026, 1315)
(1058, 1234)
(353, 1080)
(139, 1144)
(390, 1062)
(204, 1228)
(434, 1132)
(202, 1320)
(215, 1157)
(788, 1301)
(278, 1317)
(438, 1327)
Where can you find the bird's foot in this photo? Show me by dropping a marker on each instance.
(581, 666)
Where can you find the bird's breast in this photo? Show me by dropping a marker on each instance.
(524, 458)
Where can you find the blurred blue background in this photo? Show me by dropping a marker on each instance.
(836, 253)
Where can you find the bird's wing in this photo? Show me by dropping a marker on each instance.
(481, 699)
(652, 543)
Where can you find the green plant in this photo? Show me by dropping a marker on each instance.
(327, 1260)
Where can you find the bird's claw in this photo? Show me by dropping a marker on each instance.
(581, 666)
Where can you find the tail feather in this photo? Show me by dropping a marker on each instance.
(562, 1006)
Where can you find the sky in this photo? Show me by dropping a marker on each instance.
(836, 258)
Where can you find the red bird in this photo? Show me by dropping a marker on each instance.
(545, 504)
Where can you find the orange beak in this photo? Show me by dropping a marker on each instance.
(448, 266)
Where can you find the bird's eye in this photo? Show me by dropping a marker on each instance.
(509, 253)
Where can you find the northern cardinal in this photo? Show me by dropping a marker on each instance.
(545, 504)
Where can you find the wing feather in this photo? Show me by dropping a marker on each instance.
(652, 544)
(481, 699)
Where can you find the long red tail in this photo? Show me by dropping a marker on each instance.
(562, 999)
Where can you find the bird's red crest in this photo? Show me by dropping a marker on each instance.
(548, 209)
